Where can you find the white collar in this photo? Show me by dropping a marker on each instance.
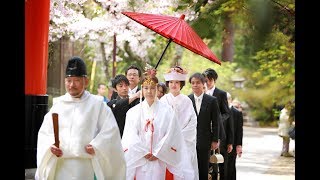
(134, 90)
(200, 97)
(210, 91)
(150, 110)
(68, 97)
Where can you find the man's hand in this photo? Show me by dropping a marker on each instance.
(56, 151)
(229, 148)
(150, 157)
(152, 72)
(239, 150)
(153, 158)
(134, 96)
(214, 145)
(137, 94)
(89, 149)
(218, 143)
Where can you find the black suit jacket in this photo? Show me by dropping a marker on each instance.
(226, 129)
(207, 121)
(223, 102)
(238, 126)
(119, 108)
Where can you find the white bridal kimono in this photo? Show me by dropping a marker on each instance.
(82, 121)
(165, 142)
(187, 120)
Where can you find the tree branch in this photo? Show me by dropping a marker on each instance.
(290, 11)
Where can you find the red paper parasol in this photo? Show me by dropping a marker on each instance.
(176, 30)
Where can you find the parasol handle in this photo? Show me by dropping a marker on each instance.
(55, 129)
(170, 40)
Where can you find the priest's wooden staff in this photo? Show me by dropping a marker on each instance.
(55, 119)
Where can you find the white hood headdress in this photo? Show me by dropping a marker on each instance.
(176, 73)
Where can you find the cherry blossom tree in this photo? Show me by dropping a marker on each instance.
(99, 20)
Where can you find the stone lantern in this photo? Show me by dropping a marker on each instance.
(238, 82)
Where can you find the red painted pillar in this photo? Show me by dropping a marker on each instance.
(36, 46)
(36, 60)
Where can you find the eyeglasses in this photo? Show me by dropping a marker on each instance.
(133, 74)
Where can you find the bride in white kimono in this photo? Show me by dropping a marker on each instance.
(151, 139)
(183, 108)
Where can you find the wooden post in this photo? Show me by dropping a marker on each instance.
(114, 64)
(93, 73)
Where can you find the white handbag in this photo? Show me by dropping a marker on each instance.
(216, 157)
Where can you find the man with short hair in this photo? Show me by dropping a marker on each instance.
(237, 117)
(226, 138)
(123, 102)
(133, 74)
(89, 139)
(101, 92)
(208, 119)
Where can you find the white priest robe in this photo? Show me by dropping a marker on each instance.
(187, 120)
(165, 142)
(82, 121)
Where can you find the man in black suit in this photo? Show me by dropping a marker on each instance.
(122, 103)
(208, 118)
(236, 116)
(133, 74)
(226, 140)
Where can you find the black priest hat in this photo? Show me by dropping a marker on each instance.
(76, 67)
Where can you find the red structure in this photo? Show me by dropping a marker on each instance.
(36, 60)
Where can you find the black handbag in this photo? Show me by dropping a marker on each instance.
(292, 132)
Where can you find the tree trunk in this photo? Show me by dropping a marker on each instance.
(227, 39)
(105, 61)
(59, 53)
(178, 55)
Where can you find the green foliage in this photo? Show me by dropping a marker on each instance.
(229, 6)
(155, 53)
(128, 58)
(276, 63)
(89, 55)
(196, 63)
(272, 82)
(262, 15)
(284, 17)
(99, 77)
(205, 27)
(264, 49)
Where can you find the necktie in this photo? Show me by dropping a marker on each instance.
(198, 105)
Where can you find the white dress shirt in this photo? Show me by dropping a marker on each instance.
(198, 101)
(210, 91)
(133, 91)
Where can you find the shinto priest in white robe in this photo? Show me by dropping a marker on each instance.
(187, 120)
(165, 142)
(82, 121)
